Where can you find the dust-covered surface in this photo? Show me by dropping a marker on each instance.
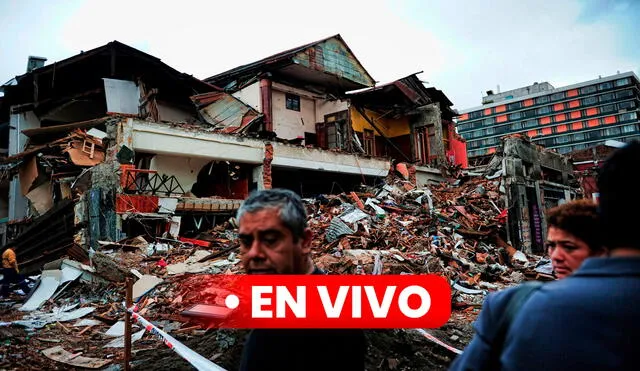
(387, 349)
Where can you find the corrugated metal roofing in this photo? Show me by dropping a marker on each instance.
(224, 111)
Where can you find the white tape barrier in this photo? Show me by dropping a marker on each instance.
(183, 351)
(437, 341)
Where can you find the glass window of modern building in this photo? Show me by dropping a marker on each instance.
(576, 116)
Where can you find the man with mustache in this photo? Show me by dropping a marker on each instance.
(274, 239)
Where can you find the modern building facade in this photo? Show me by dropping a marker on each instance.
(565, 119)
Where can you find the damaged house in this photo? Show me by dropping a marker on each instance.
(320, 96)
(61, 172)
(407, 121)
(113, 143)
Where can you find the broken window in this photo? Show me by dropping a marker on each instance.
(336, 135)
(292, 102)
(424, 138)
(310, 139)
(223, 179)
(369, 142)
(336, 129)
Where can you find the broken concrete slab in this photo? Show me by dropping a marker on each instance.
(107, 268)
(39, 320)
(144, 284)
(49, 282)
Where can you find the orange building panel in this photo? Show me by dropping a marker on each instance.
(491, 150)
(561, 117)
(593, 122)
(545, 120)
(572, 93)
(528, 102)
(576, 126)
(561, 128)
(592, 111)
(487, 111)
(574, 104)
(532, 133)
(502, 118)
(546, 131)
(576, 114)
(501, 108)
(465, 116)
(610, 120)
(558, 106)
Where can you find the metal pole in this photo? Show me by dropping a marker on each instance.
(127, 326)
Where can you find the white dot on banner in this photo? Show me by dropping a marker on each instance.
(232, 301)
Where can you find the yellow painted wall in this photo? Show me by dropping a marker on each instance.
(389, 126)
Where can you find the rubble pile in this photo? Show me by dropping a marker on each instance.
(455, 230)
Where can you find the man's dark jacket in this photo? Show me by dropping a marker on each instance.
(587, 321)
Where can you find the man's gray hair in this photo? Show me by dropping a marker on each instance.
(292, 212)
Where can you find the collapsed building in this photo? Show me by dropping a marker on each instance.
(113, 143)
(534, 180)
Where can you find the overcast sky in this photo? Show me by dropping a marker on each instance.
(464, 47)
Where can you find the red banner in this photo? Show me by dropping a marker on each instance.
(325, 301)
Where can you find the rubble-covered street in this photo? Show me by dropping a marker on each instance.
(455, 229)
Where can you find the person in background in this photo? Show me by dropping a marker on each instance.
(589, 319)
(274, 239)
(572, 236)
(11, 273)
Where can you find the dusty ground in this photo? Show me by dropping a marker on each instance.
(388, 349)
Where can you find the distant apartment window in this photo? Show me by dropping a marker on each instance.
(529, 113)
(593, 134)
(475, 115)
(579, 146)
(566, 149)
(516, 126)
(608, 108)
(530, 123)
(624, 94)
(515, 116)
(489, 121)
(606, 97)
(629, 128)
(512, 106)
(589, 101)
(544, 110)
(627, 105)
(588, 89)
(466, 126)
(556, 96)
(605, 86)
(578, 137)
(476, 124)
(542, 99)
(293, 102)
(623, 82)
(612, 131)
(502, 129)
(628, 116)
(562, 139)
(488, 131)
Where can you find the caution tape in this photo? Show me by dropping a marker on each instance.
(437, 341)
(196, 360)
